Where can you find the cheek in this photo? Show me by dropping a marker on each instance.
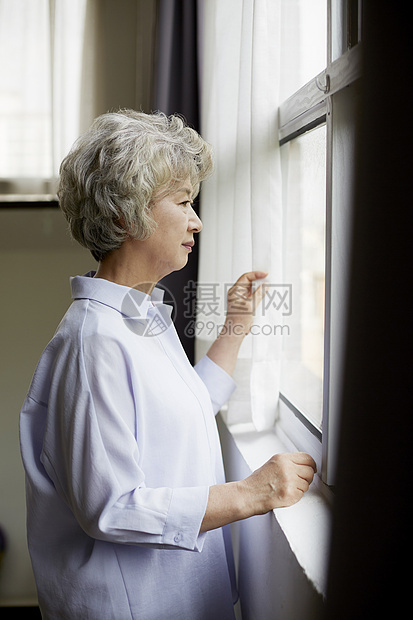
(172, 225)
(177, 226)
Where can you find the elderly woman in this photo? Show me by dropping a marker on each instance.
(126, 496)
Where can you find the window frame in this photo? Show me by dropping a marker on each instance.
(309, 107)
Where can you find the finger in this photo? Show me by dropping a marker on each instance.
(245, 284)
(302, 458)
(303, 485)
(250, 276)
(259, 292)
(306, 473)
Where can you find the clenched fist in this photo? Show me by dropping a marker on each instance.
(281, 481)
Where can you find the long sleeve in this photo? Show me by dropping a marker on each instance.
(219, 383)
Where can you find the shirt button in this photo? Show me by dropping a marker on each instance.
(178, 537)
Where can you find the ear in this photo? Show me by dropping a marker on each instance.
(121, 223)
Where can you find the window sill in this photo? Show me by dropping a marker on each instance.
(28, 201)
(17, 603)
(307, 524)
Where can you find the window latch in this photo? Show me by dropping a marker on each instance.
(323, 85)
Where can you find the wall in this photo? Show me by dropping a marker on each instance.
(125, 43)
(36, 259)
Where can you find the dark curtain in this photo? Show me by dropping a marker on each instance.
(371, 543)
(176, 92)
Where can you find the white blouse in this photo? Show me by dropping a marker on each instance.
(120, 445)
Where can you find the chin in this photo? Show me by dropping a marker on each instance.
(182, 265)
(176, 267)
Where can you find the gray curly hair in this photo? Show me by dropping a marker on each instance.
(113, 173)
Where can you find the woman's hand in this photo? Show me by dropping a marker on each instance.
(280, 482)
(241, 304)
(242, 301)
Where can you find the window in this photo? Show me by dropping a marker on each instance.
(42, 50)
(25, 96)
(321, 67)
(304, 200)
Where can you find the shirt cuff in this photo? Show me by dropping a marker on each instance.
(182, 529)
(219, 383)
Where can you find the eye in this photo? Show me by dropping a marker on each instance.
(186, 203)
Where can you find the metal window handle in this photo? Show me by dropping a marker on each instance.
(325, 88)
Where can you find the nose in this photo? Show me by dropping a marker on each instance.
(194, 223)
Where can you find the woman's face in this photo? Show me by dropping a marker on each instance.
(168, 247)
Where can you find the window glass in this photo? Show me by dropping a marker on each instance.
(303, 43)
(42, 46)
(25, 90)
(304, 204)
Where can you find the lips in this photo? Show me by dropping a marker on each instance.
(189, 245)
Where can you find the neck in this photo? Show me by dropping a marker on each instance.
(124, 266)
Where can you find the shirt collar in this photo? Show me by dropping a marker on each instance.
(129, 301)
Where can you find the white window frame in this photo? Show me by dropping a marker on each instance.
(311, 106)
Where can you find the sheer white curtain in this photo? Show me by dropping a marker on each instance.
(42, 47)
(241, 204)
